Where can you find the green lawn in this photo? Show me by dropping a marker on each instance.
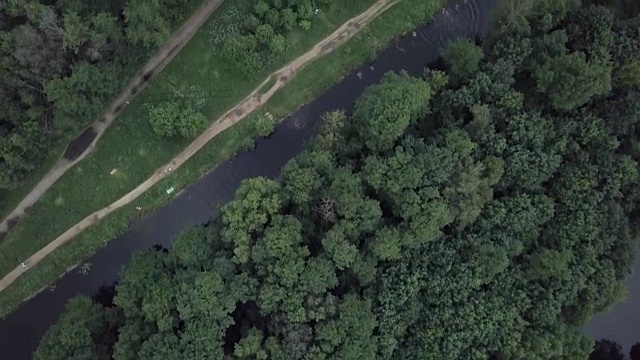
(131, 147)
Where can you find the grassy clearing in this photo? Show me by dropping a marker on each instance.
(130, 148)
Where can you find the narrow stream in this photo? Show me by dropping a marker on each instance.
(21, 331)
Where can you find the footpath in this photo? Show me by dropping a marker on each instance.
(152, 68)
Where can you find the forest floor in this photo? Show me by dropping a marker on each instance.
(252, 102)
(74, 154)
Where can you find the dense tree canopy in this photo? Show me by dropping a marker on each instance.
(261, 39)
(487, 217)
(61, 61)
(610, 350)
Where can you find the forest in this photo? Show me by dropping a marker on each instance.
(62, 61)
(483, 211)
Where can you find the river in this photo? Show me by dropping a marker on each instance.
(622, 323)
(21, 331)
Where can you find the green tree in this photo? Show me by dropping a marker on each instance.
(570, 81)
(75, 31)
(385, 111)
(72, 337)
(146, 22)
(462, 57)
(608, 350)
(630, 74)
(164, 117)
(171, 119)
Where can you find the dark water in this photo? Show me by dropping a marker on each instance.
(622, 323)
(22, 330)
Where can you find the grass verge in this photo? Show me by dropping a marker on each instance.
(136, 154)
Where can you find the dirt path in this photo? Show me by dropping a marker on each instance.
(137, 84)
(240, 111)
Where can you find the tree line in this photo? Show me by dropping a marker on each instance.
(484, 211)
(610, 350)
(61, 62)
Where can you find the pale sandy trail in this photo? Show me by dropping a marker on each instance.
(240, 111)
(135, 86)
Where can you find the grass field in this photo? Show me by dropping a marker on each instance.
(130, 147)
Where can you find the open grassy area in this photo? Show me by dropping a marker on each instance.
(130, 146)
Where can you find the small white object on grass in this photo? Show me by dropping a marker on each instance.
(113, 171)
(170, 190)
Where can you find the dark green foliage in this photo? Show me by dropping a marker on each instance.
(86, 331)
(466, 219)
(386, 110)
(607, 350)
(570, 81)
(635, 352)
(60, 64)
(170, 119)
(630, 74)
(262, 40)
(462, 57)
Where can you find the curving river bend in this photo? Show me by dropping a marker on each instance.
(21, 331)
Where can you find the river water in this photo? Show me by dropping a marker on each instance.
(622, 323)
(21, 331)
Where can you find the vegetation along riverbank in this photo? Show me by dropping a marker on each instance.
(138, 157)
(484, 211)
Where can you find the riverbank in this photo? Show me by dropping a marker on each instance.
(197, 204)
(312, 80)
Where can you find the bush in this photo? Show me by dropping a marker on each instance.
(265, 124)
(462, 57)
(170, 119)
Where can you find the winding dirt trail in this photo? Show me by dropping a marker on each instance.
(240, 111)
(72, 156)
